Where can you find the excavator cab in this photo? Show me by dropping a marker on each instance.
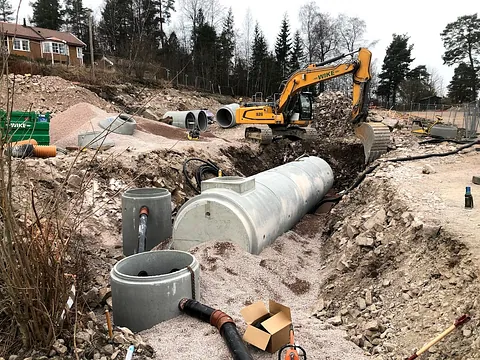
(302, 108)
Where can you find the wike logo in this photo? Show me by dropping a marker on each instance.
(19, 125)
(326, 75)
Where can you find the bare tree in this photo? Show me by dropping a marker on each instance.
(326, 37)
(214, 12)
(308, 18)
(351, 31)
(435, 81)
(191, 10)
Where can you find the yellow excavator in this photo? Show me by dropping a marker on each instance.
(290, 113)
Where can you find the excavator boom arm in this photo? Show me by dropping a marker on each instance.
(315, 74)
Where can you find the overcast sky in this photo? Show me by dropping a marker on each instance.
(423, 21)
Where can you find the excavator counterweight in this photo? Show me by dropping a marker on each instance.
(291, 114)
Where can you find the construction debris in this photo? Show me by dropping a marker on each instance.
(332, 112)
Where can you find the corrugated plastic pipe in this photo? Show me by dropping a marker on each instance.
(182, 119)
(44, 151)
(226, 116)
(222, 322)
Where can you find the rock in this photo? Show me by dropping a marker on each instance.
(368, 298)
(376, 221)
(428, 169)
(363, 240)
(336, 320)
(59, 348)
(149, 114)
(431, 231)
(74, 181)
(386, 283)
(82, 337)
(319, 306)
(467, 333)
(91, 297)
(115, 354)
(119, 339)
(371, 325)
(389, 346)
(108, 349)
(391, 123)
(352, 231)
(13, 357)
(362, 305)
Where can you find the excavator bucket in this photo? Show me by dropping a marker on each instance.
(375, 137)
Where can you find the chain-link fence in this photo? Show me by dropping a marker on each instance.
(471, 118)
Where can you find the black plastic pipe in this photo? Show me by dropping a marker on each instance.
(222, 322)
(142, 230)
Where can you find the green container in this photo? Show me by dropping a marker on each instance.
(25, 126)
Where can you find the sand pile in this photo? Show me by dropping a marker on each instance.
(83, 117)
(288, 272)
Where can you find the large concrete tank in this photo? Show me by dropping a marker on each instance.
(252, 212)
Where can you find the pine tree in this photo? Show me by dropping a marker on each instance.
(47, 14)
(164, 11)
(460, 88)
(462, 45)
(6, 11)
(227, 47)
(205, 48)
(283, 47)
(396, 66)
(297, 56)
(76, 19)
(116, 27)
(259, 54)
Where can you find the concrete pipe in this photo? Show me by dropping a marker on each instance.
(226, 116)
(123, 124)
(159, 223)
(182, 119)
(201, 119)
(147, 287)
(252, 212)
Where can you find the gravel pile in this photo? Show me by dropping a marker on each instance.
(49, 93)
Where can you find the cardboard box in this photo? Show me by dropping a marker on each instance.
(269, 329)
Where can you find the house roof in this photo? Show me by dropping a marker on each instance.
(39, 34)
(20, 31)
(64, 36)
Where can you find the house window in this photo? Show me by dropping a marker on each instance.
(79, 52)
(21, 45)
(54, 47)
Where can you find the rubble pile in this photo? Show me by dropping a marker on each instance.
(396, 282)
(332, 114)
(48, 94)
(152, 104)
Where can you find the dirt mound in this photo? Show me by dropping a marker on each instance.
(393, 281)
(49, 93)
(332, 114)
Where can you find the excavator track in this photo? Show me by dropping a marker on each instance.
(261, 134)
(375, 137)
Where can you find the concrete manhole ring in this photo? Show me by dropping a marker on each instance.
(123, 124)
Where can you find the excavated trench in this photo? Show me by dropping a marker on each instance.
(345, 158)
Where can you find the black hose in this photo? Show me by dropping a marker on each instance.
(360, 177)
(207, 167)
(142, 230)
(222, 322)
